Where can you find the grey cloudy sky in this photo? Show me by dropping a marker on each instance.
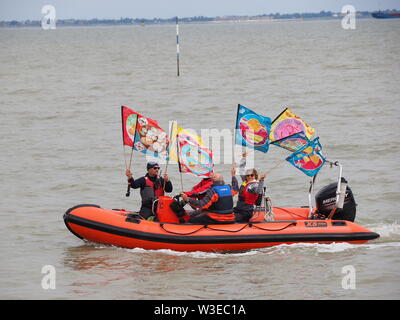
(87, 9)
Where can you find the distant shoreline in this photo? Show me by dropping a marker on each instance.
(273, 17)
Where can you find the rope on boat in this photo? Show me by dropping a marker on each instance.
(181, 234)
(265, 229)
(215, 229)
(250, 225)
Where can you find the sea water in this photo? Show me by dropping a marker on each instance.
(61, 92)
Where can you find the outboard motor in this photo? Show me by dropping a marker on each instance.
(333, 205)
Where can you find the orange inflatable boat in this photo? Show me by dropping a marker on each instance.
(267, 228)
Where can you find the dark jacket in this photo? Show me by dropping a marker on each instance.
(147, 198)
(219, 206)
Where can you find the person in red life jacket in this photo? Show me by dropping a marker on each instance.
(151, 187)
(216, 206)
(250, 191)
(199, 190)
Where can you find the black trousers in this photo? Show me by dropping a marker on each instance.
(243, 211)
(145, 212)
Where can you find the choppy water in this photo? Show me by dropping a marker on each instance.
(61, 91)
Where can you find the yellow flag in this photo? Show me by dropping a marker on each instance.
(178, 132)
(287, 124)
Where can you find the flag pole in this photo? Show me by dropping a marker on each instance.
(277, 164)
(128, 190)
(179, 163)
(310, 190)
(234, 138)
(169, 147)
(177, 47)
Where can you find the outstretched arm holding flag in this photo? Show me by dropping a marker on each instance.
(145, 135)
(151, 187)
(250, 191)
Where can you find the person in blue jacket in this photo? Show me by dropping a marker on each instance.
(216, 206)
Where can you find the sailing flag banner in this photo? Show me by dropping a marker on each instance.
(129, 122)
(177, 131)
(194, 159)
(309, 158)
(287, 124)
(143, 134)
(293, 142)
(187, 149)
(252, 129)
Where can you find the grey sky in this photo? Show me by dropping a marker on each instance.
(87, 9)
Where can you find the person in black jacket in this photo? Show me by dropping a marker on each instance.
(151, 187)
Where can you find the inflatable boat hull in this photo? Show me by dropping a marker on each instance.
(117, 228)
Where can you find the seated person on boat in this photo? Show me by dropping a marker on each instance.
(216, 206)
(250, 191)
(199, 190)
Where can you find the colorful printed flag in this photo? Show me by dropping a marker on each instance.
(287, 124)
(309, 158)
(191, 154)
(143, 134)
(129, 122)
(252, 129)
(293, 142)
(177, 131)
(194, 159)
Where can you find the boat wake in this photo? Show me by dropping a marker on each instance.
(195, 254)
(388, 231)
(389, 237)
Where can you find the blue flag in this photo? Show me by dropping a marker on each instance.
(308, 158)
(252, 129)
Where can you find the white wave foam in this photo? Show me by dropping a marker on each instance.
(334, 247)
(386, 230)
(389, 237)
(320, 247)
(194, 254)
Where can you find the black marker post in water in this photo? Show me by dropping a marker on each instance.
(177, 47)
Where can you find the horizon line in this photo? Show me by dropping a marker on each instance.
(202, 17)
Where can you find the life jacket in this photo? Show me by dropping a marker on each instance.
(156, 187)
(246, 196)
(222, 209)
(198, 191)
(151, 191)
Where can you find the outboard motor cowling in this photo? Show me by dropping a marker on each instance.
(325, 201)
